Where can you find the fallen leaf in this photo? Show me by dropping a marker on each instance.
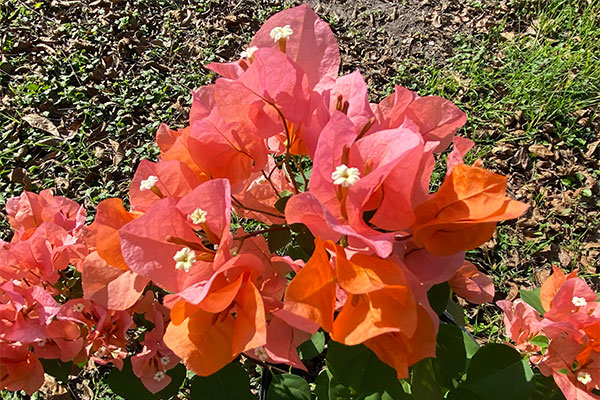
(43, 123)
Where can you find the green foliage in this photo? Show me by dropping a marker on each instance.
(439, 296)
(312, 347)
(497, 371)
(57, 368)
(126, 384)
(230, 383)
(532, 297)
(288, 387)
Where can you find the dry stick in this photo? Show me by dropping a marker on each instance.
(239, 203)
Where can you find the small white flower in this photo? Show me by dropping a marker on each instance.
(101, 352)
(579, 301)
(148, 183)
(78, 307)
(281, 32)
(345, 176)
(261, 353)
(185, 258)
(249, 52)
(164, 360)
(584, 378)
(159, 376)
(198, 216)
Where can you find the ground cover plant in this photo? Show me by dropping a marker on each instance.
(337, 381)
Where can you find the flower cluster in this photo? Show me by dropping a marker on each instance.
(564, 342)
(282, 139)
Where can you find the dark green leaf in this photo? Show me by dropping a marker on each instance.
(322, 385)
(457, 312)
(337, 390)
(280, 204)
(532, 297)
(312, 347)
(278, 239)
(438, 296)
(545, 388)
(229, 383)
(463, 394)
(288, 387)
(497, 372)
(58, 369)
(451, 356)
(127, 385)
(424, 382)
(306, 240)
(359, 368)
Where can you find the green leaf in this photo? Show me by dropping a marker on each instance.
(312, 347)
(457, 312)
(278, 239)
(322, 385)
(359, 368)
(546, 388)
(497, 372)
(288, 387)
(540, 340)
(451, 355)
(127, 385)
(306, 240)
(58, 369)
(424, 384)
(532, 297)
(337, 390)
(471, 346)
(229, 383)
(281, 203)
(438, 297)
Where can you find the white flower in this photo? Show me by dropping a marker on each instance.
(345, 176)
(78, 307)
(185, 258)
(261, 353)
(584, 378)
(281, 32)
(148, 183)
(249, 52)
(164, 360)
(159, 376)
(101, 352)
(198, 216)
(578, 301)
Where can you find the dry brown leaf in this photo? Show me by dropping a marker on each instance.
(43, 123)
(540, 151)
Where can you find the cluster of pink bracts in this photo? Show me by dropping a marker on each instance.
(48, 236)
(565, 342)
(382, 240)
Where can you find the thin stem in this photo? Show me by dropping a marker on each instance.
(299, 166)
(290, 173)
(268, 178)
(260, 232)
(239, 203)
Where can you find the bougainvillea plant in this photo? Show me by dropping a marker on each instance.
(288, 231)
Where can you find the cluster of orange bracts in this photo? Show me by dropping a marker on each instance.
(381, 238)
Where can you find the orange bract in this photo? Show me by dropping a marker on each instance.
(463, 213)
(380, 306)
(110, 217)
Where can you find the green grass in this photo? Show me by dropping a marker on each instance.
(542, 64)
